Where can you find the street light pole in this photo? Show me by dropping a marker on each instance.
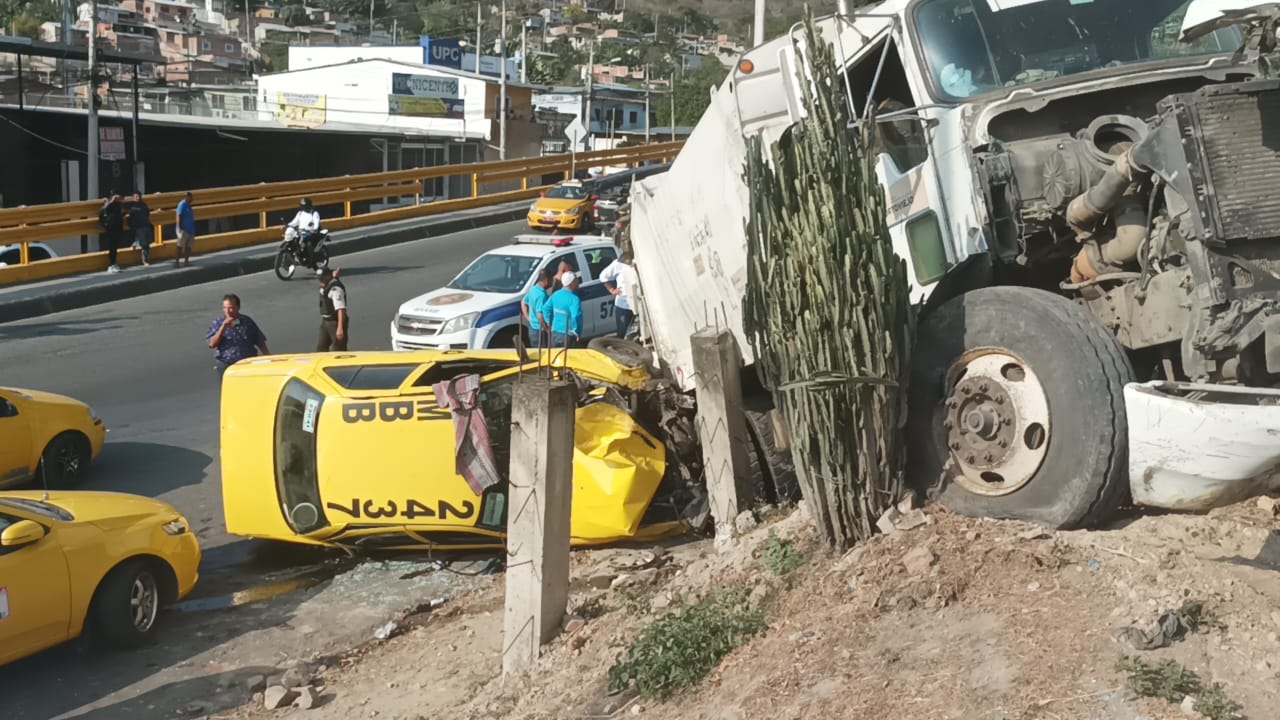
(591, 67)
(479, 47)
(502, 87)
(759, 23)
(673, 105)
(92, 168)
(648, 90)
(371, 20)
(524, 50)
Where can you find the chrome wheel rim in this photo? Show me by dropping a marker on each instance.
(144, 601)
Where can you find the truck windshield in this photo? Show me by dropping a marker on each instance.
(972, 47)
(496, 274)
(297, 479)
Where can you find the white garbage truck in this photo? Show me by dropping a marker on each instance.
(1087, 194)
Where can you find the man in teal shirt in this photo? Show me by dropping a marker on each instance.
(566, 312)
(532, 307)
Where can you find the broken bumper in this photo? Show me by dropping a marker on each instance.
(1197, 447)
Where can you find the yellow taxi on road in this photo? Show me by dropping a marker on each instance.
(355, 450)
(46, 434)
(567, 206)
(71, 560)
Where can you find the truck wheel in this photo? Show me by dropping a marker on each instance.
(624, 352)
(1017, 409)
(779, 482)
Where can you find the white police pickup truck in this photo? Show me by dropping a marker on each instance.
(480, 308)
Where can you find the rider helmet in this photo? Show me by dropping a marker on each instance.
(306, 204)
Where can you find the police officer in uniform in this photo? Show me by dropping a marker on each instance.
(333, 313)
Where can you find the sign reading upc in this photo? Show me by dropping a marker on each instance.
(442, 52)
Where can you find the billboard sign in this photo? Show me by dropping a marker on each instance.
(424, 86)
(417, 106)
(446, 53)
(297, 110)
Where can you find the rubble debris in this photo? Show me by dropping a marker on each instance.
(745, 522)
(278, 696)
(1170, 627)
(308, 697)
(1269, 505)
(256, 683)
(386, 631)
(1037, 533)
(894, 520)
(919, 560)
(573, 625)
(298, 675)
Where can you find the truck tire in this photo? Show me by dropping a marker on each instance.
(1017, 409)
(779, 482)
(624, 352)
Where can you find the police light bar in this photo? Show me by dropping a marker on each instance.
(556, 240)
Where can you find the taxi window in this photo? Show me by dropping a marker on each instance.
(371, 377)
(599, 259)
(568, 192)
(449, 370)
(297, 482)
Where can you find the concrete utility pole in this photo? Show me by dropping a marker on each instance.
(479, 47)
(648, 90)
(591, 67)
(502, 87)
(759, 28)
(673, 106)
(92, 185)
(722, 428)
(370, 20)
(524, 50)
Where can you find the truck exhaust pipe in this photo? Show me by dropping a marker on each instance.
(1117, 195)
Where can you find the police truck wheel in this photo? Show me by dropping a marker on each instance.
(1017, 409)
(504, 339)
(285, 264)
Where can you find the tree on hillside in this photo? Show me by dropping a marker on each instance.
(446, 20)
(560, 66)
(29, 10)
(27, 26)
(693, 94)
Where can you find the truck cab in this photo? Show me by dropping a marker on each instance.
(1086, 176)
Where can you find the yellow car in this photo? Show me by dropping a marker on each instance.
(71, 560)
(46, 434)
(355, 450)
(567, 206)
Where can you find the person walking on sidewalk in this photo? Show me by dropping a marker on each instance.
(186, 231)
(333, 313)
(111, 218)
(234, 336)
(140, 226)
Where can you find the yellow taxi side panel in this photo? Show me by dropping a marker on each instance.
(617, 468)
(251, 504)
(389, 461)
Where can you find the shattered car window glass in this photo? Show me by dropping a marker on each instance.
(972, 50)
(495, 403)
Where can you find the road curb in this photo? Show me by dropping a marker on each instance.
(214, 268)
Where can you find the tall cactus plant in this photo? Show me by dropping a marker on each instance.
(827, 305)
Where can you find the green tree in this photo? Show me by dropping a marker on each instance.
(29, 10)
(294, 14)
(575, 14)
(560, 67)
(692, 95)
(27, 26)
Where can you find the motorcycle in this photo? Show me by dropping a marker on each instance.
(294, 251)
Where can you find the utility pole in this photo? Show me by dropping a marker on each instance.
(479, 47)
(524, 50)
(648, 90)
(371, 20)
(66, 40)
(502, 87)
(673, 105)
(591, 67)
(248, 37)
(92, 185)
(759, 24)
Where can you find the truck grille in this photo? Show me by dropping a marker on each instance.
(414, 325)
(1240, 138)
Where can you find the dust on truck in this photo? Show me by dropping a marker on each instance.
(1088, 198)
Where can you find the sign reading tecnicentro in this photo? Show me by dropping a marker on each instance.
(424, 86)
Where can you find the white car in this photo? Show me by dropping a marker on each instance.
(12, 254)
(480, 308)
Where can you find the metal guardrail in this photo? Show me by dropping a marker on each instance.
(36, 223)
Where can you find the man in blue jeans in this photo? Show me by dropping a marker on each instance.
(533, 305)
(619, 279)
(233, 336)
(186, 231)
(566, 312)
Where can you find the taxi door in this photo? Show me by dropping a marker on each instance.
(15, 443)
(35, 595)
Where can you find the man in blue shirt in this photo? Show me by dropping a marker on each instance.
(186, 231)
(234, 336)
(532, 307)
(566, 312)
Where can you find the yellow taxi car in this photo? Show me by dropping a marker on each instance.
(567, 206)
(46, 435)
(355, 450)
(71, 560)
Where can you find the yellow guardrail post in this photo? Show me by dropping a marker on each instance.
(25, 253)
(346, 206)
(475, 185)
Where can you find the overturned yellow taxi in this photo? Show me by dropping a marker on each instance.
(354, 450)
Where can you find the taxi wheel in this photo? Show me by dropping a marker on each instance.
(127, 604)
(66, 461)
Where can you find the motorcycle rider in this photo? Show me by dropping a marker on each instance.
(306, 222)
